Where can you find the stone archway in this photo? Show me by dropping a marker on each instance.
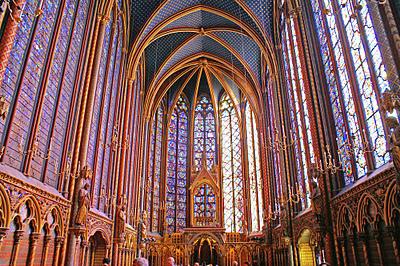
(306, 251)
(97, 249)
(206, 251)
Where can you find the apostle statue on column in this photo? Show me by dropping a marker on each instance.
(83, 205)
(394, 144)
(120, 222)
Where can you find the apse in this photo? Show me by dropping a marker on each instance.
(212, 156)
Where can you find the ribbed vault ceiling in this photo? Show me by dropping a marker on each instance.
(173, 38)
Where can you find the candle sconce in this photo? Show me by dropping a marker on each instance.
(115, 144)
(34, 151)
(273, 215)
(276, 214)
(330, 165)
(67, 169)
(351, 149)
(280, 144)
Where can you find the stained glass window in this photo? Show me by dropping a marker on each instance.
(51, 94)
(276, 180)
(106, 121)
(253, 158)
(353, 56)
(24, 91)
(154, 173)
(177, 167)
(204, 133)
(204, 206)
(63, 83)
(233, 186)
(298, 110)
(25, 86)
(100, 91)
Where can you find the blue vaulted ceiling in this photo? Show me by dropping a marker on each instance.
(158, 51)
(169, 31)
(147, 14)
(195, 44)
(203, 19)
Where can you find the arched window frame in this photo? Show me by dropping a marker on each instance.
(154, 179)
(204, 205)
(104, 130)
(255, 181)
(211, 155)
(275, 155)
(52, 86)
(354, 67)
(299, 110)
(177, 207)
(230, 122)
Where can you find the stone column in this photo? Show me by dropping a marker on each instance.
(17, 238)
(58, 244)
(342, 245)
(85, 119)
(377, 237)
(84, 246)
(3, 232)
(7, 40)
(393, 235)
(353, 251)
(76, 251)
(363, 241)
(45, 250)
(33, 239)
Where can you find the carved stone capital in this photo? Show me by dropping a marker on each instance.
(59, 241)
(17, 236)
(3, 232)
(33, 238)
(47, 239)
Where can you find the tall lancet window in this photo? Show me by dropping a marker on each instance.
(154, 172)
(253, 157)
(298, 109)
(204, 133)
(177, 167)
(38, 84)
(356, 76)
(231, 166)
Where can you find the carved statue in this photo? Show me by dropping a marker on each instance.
(244, 224)
(144, 224)
(314, 174)
(120, 223)
(390, 101)
(394, 141)
(83, 205)
(314, 188)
